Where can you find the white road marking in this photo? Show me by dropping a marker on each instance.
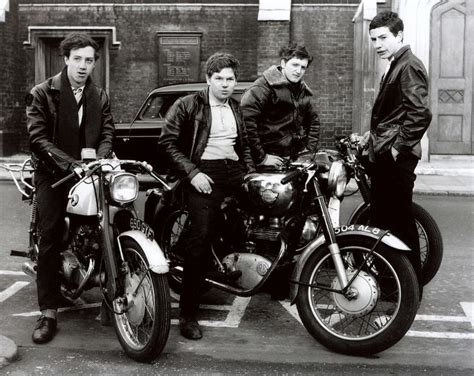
(11, 272)
(415, 333)
(440, 335)
(468, 308)
(13, 289)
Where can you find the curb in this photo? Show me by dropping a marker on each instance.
(8, 351)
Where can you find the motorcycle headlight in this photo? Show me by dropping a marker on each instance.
(124, 188)
(337, 179)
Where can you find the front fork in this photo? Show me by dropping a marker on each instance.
(329, 223)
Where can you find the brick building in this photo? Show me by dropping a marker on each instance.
(343, 76)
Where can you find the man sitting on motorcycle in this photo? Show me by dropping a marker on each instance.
(64, 114)
(281, 120)
(205, 139)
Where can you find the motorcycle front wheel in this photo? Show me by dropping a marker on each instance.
(429, 234)
(142, 317)
(380, 312)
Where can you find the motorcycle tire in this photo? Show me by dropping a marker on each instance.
(381, 313)
(168, 235)
(142, 328)
(431, 241)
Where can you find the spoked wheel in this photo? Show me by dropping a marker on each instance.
(142, 316)
(429, 234)
(383, 306)
(169, 236)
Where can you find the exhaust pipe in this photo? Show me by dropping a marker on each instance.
(29, 269)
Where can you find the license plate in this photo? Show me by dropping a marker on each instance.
(138, 224)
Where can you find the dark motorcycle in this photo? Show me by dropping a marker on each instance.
(431, 241)
(354, 288)
(107, 246)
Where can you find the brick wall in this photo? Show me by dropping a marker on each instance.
(11, 102)
(327, 31)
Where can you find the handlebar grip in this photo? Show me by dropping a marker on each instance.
(63, 180)
(290, 177)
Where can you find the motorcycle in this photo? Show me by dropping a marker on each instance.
(431, 241)
(105, 245)
(353, 286)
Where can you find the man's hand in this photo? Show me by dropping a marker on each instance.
(202, 183)
(272, 160)
(395, 153)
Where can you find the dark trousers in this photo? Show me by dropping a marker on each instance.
(391, 200)
(204, 212)
(51, 210)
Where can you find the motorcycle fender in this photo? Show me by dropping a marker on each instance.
(347, 230)
(156, 258)
(356, 212)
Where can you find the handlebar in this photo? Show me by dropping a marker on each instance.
(89, 168)
(21, 168)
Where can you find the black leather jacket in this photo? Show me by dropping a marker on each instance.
(400, 115)
(42, 120)
(186, 131)
(279, 116)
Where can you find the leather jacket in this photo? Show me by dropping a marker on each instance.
(42, 120)
(400, 115)
(279, 116)
(186, 131)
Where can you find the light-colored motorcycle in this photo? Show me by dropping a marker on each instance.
(106, 246)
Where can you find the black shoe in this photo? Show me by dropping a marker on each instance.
(190, 328)
(45, 330)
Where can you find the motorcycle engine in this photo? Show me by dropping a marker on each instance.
(75, 261)
(252, 266)
(85, 242)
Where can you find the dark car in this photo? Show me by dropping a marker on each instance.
(138, 140)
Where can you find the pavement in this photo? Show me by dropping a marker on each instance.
(442, 175)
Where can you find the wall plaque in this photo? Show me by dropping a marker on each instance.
(179, 57)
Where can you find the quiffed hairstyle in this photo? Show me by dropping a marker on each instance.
(387, 19)
(295, 50)
(77, 40)
(221, 60)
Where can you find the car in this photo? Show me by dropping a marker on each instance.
(138, 139)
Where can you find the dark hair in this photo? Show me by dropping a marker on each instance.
(295, 50)
(388, 19)
(220, 60)
(78, 40)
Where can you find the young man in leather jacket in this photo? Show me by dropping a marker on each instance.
(400, 117)
(281, 120)
(205, 140)
(65, 113)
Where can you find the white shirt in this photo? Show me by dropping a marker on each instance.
(223, 134)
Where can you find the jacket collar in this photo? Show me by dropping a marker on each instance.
(274, 77)
(400, 53)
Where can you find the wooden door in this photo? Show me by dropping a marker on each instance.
(452, 55)
(54, 62)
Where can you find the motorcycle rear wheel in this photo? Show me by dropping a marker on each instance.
(431, 241)
(169, 235)
(382, 312)
(143, 325)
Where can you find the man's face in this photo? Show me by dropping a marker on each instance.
(385, 43)
(80, 63)
(222, 84)
(294, 69)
